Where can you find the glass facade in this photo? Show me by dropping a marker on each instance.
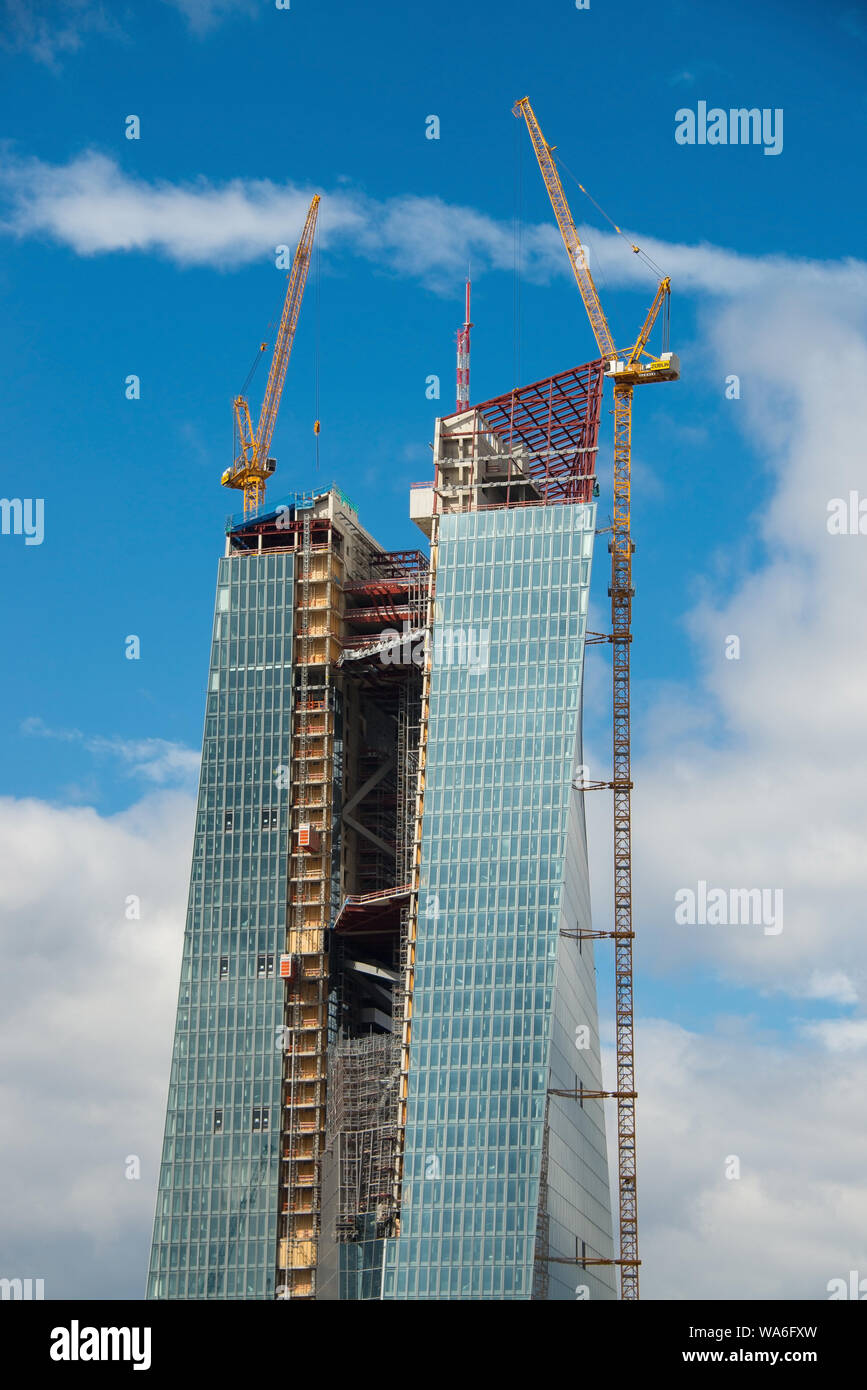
(504, 1004)
(504, 1009)
(215, 1229)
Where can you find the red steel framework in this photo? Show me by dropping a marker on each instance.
(550, 427)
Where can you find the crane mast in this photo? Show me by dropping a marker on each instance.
(252, 466)
(626, 373)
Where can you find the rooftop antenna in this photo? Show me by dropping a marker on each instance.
(463, 386)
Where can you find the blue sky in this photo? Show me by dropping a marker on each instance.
(156, 257)
(335, 97)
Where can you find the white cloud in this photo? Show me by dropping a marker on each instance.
(87, 1004)
(797, 1215)
(154, 759)
(833, 985)
(754, 775)
(86, 1012)
(839, 1034)
(94, 207)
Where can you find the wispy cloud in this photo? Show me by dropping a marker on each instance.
(833, 985)
(204, 15)
(48, 30)
(94, 207)
(154, 759)
(839, 1034)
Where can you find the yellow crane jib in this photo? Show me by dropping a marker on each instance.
(253, 466)
(629, 370)
(568, 231)
(665, 367)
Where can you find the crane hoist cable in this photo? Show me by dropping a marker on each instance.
(637, 250)
(273, 324)
(252, 372)
(317, 338)
(517, 257)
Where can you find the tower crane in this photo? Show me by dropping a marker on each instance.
(252, 466)
(629, 369)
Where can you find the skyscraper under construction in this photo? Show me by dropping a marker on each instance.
(387, 1013)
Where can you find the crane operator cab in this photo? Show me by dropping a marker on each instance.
(665, 367)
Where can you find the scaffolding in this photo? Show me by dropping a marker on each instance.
(408, 762)
(422, 596)
(543, 1220)
(362, 1129)
(309, 911)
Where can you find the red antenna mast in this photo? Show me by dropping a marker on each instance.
(463, 392)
